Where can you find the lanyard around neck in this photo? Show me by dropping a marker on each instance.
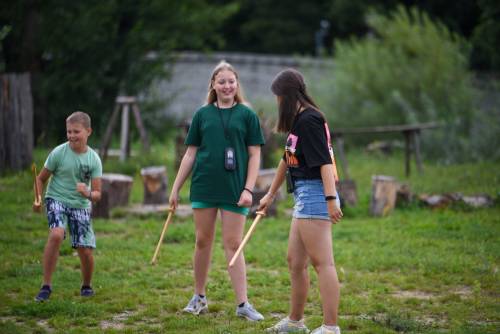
(225, 126)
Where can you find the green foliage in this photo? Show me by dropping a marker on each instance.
(88, 52)
(486, 36)
(411, 70)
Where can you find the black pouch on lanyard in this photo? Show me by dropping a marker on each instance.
(229, 159)
(289, 182)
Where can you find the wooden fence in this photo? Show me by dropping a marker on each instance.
(16, 121)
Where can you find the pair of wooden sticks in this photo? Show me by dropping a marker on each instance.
(171, 211)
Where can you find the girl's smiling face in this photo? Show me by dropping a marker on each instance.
(225, 85)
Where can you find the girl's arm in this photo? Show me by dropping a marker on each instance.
(275, 185)
(182, 174)
(246, 196)
(329, 189)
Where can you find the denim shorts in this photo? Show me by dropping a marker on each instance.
(224, 206)
(77, 220)
(310, 200)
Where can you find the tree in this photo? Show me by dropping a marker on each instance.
(83, 53)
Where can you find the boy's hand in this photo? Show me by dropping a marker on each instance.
(82, 189)
(37, 207)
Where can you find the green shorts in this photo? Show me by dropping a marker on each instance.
(229, 207)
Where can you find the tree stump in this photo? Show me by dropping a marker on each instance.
(383, 197)
(155, 185)
(115, 191)
(347, 192)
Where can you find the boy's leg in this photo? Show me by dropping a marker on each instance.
(51, 253)
(233, 225)
(317, 239)
(87, 264)
(204, 220)
(297, 265)
(83, 240)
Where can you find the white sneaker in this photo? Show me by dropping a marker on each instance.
(247, 311)
(197, 305)
(287, 326)
(324, 330)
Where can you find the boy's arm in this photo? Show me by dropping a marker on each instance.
(94, 193)
(40, 180)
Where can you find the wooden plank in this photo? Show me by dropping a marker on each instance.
(339, 140)
(384, 129)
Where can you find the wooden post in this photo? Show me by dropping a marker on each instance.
(416, 148)
(140, 126)
(407, 152)
(343, 161)
(155, 185)
(383, 198)
(109, 132)
(124, 138)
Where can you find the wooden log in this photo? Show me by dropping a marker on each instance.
(124, 136)
(404, 196)
(115, 191)
(155, 184)
(383, 198)
(348, 192)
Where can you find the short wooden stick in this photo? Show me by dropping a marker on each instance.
(157, 250)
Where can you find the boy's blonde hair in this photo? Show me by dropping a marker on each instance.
(212, 95)
(79, 117)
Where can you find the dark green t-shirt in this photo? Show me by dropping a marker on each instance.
(210, 181)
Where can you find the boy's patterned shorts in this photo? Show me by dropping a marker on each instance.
(78, 221)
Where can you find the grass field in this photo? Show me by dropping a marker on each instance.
(416, 271)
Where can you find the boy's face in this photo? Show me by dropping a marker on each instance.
(77, 136)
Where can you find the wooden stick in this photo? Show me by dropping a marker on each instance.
(155, 256)
(260, 214)
(38, 197)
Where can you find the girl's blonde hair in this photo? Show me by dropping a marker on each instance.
(212, 95)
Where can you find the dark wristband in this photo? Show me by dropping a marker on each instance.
(330, 198)
(251, 192)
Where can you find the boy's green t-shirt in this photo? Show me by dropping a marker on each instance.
(68, 168)
(210, 181)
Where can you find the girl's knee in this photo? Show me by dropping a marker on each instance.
(203, 242)
(231, 245)
(296, 267)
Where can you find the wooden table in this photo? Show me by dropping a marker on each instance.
(410, 132)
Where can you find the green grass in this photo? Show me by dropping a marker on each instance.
(415, 271)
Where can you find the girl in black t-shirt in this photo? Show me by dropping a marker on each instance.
(309, 167)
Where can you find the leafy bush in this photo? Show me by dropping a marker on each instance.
(409, 70)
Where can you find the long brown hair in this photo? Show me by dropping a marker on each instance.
(239, 97)
(290, 87)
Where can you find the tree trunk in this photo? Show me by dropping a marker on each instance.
(383, 197)
(155, 185)
(115, 192)
(16, 121)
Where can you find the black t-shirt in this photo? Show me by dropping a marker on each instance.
(307, 147)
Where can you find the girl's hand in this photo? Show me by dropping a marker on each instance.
(265, 202)
(173, 199)
(334, 211)
(246, 199)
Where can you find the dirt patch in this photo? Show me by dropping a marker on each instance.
(414, 294)
(117, 322)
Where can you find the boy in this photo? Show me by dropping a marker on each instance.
(74, 167)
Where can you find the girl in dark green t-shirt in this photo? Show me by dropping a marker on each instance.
(223, 154)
